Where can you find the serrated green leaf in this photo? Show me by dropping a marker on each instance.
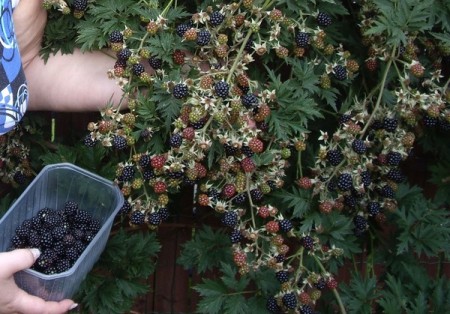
(299, 200)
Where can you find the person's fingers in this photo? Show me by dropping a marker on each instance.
(25, 303)
(16, 260)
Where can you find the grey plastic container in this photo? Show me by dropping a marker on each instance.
(52, 187)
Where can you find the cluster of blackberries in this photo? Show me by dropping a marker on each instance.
(61, 236)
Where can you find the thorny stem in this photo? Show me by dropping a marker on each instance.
(299, 164)
(239, 55)
(380, 93)
(335, 292)
(247, 187)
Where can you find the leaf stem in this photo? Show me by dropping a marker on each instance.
(239, 55)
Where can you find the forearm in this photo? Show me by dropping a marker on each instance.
(72, 82)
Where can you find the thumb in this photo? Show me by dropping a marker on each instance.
(16, 260)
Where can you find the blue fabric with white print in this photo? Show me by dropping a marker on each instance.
(13, 88)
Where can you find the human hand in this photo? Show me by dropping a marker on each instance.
(15, 300)
(30, 19)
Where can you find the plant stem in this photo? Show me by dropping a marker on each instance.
(335, 292)
(247, 187)
(380, 93)
(239, 55)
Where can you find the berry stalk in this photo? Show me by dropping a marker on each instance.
(335, 292)
(380, 93)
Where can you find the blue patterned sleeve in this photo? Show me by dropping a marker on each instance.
(13, 88)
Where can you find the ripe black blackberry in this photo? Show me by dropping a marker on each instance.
(373, 208)
(17, 242)
(323, 19)
(249, 100)
(306, 309)
(222, 88)
(240, 199)
(126, 208)
(230, 219)
(145, 135)
(256, 195)
(387, 191)
(115, 37)
(285, 225)
(345, 181)
(80, 5)
(216, 18)
(430, 122)
(359, 146)
(19, 177)
(164, 213)
(282, 276)
(289, 300)
(320, 284)
(213, 193)
(302, 39)
(272, 305)
(390, 124)
(280, 258)
(22, 231)
(154, 218)
(88, 141)
(70, 208)
(34, 239)
(148, 174)
(335, 157)
(332, 185)
(180, 91)
(124, 55)
(199, 124)
(82, 218)
(144, 160)
(137, 69)
(272, 184)
(79, 246)
(62, 265)
(137, 218)
(307, 242)
(366, 178)
(344, 118)
(119, 142)
(230, 150)
(396, 175)
(360, 222)
(128, 173)
(350, 201)
(340, 72)
(43, 212)
(249, 45)
(203, 37)
(235, 236)
(175, 140)
(72, 254)
(68, 240)
(393, 158)
(181, 29)
(175, 174)
(155, 63)
(247, 151)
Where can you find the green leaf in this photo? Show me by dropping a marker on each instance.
(359, 294)
(299, 200)
(196, 253)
